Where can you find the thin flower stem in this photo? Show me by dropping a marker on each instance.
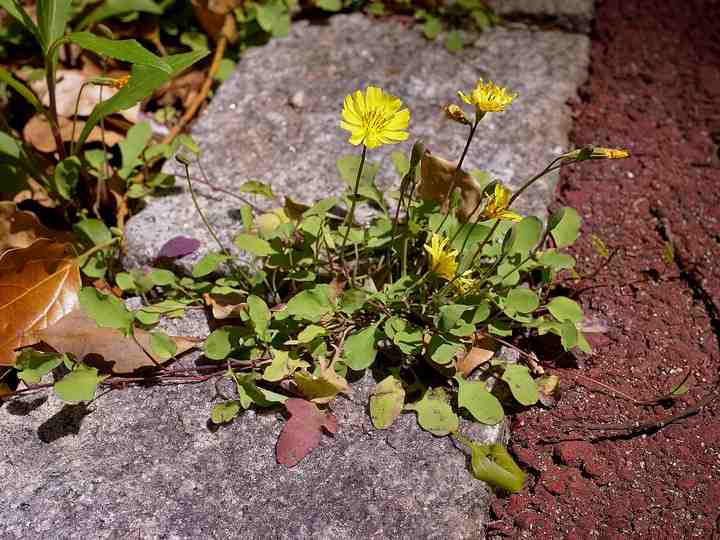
(80, 259)
(473, 128)
(237, 270)
(53, 117)
(350, 218)
(75, 115)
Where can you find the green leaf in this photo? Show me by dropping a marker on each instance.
(162, 278)
(524, 389)
(66, 177)
(273, 17)
(127, 50)
(132, 146)
(93, 231)
(493, 464)
(565, 309)
(107, 311)
(208, 264)
(225, 411)
(197, 41)
(525, 235)
(255, 187)
(80, 384)
(565, 226)
(556, 260)
(144, 80)
(283, 364)
(259, 315)
(330, 5)
(309, 305)
(20, 88)
(481, 404)
(401, 163)
(450, 315)
(253, 244)
(521, 300)
(32, 365)
(309, 333)
(225, 69)
(221, 342)
(352, 300)
(568, 335)
(432, 27)
(360, 349)
(443, 351)
(386, 402)
(15, 8)
(52, 17)
(162, 345)
(112, 8)
(454, 41)
(434, 412)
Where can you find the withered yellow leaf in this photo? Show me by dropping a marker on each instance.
(19, 228)
(482, 352)
(436, 178)
(105, 348)
(39, 285)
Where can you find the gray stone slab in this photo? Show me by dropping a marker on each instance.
(573, 15)
(143, 463)
(254, 129)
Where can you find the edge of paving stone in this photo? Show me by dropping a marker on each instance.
(568, 15)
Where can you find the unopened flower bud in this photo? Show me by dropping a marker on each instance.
(609, 153)
(456, 114)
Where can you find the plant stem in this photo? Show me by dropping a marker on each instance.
(233, 266)
(350, 218)
(80, 259)
(54, 126)
(473, 127)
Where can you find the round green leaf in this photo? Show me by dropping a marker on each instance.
(253, 244)
(220, 343)
(434, 413)
(525, 235)
(521, 300)
(224, 412)
(524, 389)
(79, 385)
(359, 350)
(565, 309)
(162, 345)
(106, 310)
(386, 402)
(565, 226)
(479, 402)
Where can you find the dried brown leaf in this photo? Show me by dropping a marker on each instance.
(301, 434)
(20, 228)
(225, 305)
(482, 352)
(105, 348)
(436, 177)
(38, 133)
(39, 285)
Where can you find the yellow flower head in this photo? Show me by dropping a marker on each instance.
(456, 114)
(496, 207)
(609, 153)
(442, 262)
(374, 118)
(121, 81)
(488, 97)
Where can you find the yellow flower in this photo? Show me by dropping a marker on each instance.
(496, 207)
(456, 114)
(609, 153)
(488, 97)
(442, 262)
(121, 81)
(374, 118)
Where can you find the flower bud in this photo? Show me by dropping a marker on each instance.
(456, 114)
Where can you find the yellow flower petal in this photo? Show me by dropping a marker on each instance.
(374, 118)
(488, 97)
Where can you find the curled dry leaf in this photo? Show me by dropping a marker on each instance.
(436, 177)
(38, 133)
(301, 434)
(105, 348)
(67, 89)
(39, 285)
(481, 352)
(225, 305)
(20, 228)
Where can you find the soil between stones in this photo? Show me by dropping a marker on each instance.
(654, 77)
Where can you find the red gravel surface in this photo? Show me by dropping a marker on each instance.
(654, 88)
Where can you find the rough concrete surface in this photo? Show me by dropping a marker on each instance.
(143, 463)
(574, 15)
(277, 118)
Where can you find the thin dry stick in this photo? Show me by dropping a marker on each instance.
(202, 95)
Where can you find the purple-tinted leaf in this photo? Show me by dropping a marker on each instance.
(301, 433)
(178, 247)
